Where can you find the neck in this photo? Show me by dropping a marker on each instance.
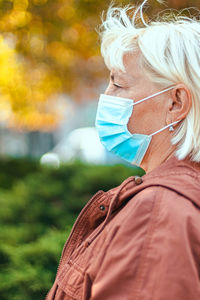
(160, 150)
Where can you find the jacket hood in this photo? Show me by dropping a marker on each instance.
(181, 176)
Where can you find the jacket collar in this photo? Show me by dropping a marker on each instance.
(183, 177)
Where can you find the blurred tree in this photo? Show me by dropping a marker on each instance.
(178, 3)
(49, 47)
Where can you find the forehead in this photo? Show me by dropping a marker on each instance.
(133, 69)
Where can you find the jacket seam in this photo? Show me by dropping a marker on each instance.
(196, 176)
(65, 255)
(146, 247)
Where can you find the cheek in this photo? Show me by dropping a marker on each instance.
(142, 121)
(131, 122)
(134, 123)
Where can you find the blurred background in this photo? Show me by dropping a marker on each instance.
(51, 160)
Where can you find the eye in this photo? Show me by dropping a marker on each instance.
(117, 86)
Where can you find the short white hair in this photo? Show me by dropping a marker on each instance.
(170, 54)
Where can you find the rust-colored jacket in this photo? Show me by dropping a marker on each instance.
(139, 241)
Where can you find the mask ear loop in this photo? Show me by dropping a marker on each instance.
(167, 126)
(154, 95)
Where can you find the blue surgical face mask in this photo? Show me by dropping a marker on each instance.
(112, 117)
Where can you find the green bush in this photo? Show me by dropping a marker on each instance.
(38, 208)
(12, 169)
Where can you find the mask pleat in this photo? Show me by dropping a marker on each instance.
(116, 129)
(113, 114)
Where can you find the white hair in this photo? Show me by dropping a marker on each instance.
(170, 53)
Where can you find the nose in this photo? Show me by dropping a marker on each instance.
(107, 90)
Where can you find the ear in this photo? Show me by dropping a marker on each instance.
(180, 103)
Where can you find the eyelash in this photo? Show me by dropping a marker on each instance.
(117, 86)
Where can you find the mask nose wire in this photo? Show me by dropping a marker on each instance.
(154, 95)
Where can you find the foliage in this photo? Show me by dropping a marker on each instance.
(51, 47)
(38, 208)
(13, 169)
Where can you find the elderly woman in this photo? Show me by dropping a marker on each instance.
(141, 240)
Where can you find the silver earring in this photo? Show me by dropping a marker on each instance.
(171, 128)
